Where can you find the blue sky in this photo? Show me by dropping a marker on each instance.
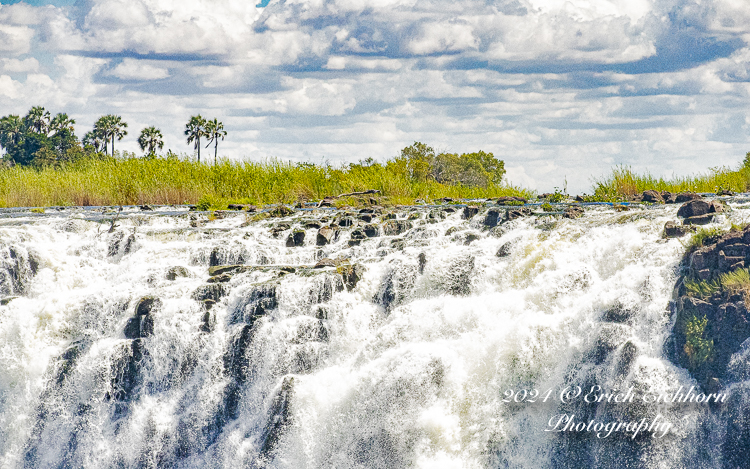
(561, 90)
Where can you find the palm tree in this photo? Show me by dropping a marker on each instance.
(151, 138)
(11, 130)
(60, 123)
(195, 129)
(215, 130)
(110, 126)
(38, 120)
(95, 140)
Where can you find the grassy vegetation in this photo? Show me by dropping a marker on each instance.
(697, 348)
(129, 181)
(737, 281)
(623, 183)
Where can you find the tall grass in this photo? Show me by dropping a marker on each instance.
(623, 182)
(129, 181)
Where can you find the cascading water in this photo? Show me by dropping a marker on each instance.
(118, 348)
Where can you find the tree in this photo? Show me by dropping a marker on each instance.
(11, 131)
(110, 127)
(38, 120)
(215, 130)
(60, 123)
(195, 129)
(94, 140)
(151, 138)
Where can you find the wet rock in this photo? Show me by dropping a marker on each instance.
(279, 417)
(422, 261)
(176, 272)
(146, 305)
(345, 222)
(610, 337)
(618, 314)
(397, 285)
(296, 239)
(458, 279)
(470, 238)
(724, 192)
(365, 217)
(673, 230)
(325, 263)
(573, 211)
(146, 207)
(126, 372)
(371, 230)
(699, 219)
(652, 196)
(493, 217)
(206, 322)
(414, 216)
(235, 361)
(139, 327)
(311, 224)
(358, 234)
(626, 358)
(279, 228)
(513, 214)
(325, 236)
(505, 250)
(256, 303)
(693, 208)
(7, 300)
(221, 278)
(351, 274)
(451, 230)
(686, 197)
(436, 215)
(396, 227)
(213, 292)
(469, 212)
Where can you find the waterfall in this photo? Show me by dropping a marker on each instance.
(414, 338)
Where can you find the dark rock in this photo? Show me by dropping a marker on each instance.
(214, 292)
(573, 211)
(139, 327)
(625, 361)
(715, 206)
(237, 207)
(668, 197)
(358, 234)
(389, 216)
(206, 322)
(470, 238)
(397, 285)
(618, 314)
(257, 302)
(354, 242)
(458, 281)
(414, 216)
(505, 250)
(176, 272)
(372, 231)
(693, 208)
(126, 372)
(469, 212)
(610, 337)
(493, 217)
(296, 239)
(512, 214)
(652, 196)
(365, 217)
(725, 192)
(699, 219)
(235, 361)
(310, 224)
(451, 230)
(351, 274)
(345, 222)
(279, 228)
(422, 261)
(673, 230)
(436, 215)
(221, 278)
(396, 227)
(279, 418)
(146, 305)
(686, 197)
(146, 208)
(325, 235)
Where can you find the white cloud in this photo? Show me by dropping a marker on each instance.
(19, 66)
(130, 69)
(15, 40)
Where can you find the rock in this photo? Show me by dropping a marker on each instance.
(7, 300)
(256, 303)
(176, 272)
(668, 197)
(573, 211)
(279, 418)
(344, 221)
(493, 217)
(146, 207)
(213, 291)
(146, 304)
(458, 281)
(469, 212)
(325, 235)
(511, 200)
(686, 197)
(652, 196)
(451, 230)
(693, 208)
(389, 216)
(139, 327)
(296, 239)
(310, 224)
(715, 206)
(505, 250)
(699, 219)
(470, 238)
(372, 231)
(279, 228)
(725, 192)
(512, 214)
(618, 314)
(365, 217)
(351, 274)
(236, 207)
(625, 361)
(414, 216)
(673, 230)
(221, 278)
(281, 211)
(422, 261)
(396, 227)
(325, 263)
(436, 215)
(358, 234)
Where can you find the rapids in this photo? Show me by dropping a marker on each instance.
(117, 352)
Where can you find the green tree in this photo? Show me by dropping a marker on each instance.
(110, 127)
(215, 131)
(94, 140)
(195, 129)
(151, 138)
(418, 159)
(12, 131)
(37, 120)
(60, 123)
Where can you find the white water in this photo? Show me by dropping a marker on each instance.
(418, 384)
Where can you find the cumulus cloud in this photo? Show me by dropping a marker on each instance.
(558, 88)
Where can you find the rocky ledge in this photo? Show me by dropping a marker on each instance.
(711, 308)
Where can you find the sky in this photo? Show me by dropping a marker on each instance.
(561, 90)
